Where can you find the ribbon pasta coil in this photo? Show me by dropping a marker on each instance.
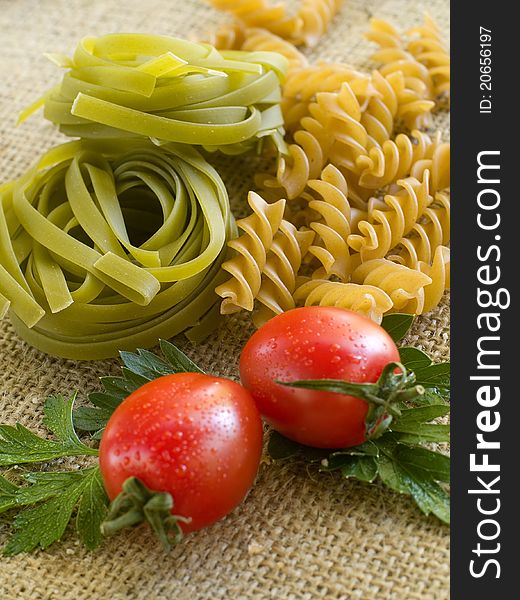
(110, 246)
(164, 88)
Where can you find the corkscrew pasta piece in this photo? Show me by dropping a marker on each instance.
(279, 274)
(312, 145)
(257, 39)
(384, 34)
(109, 246)
(429, 49)
(439, 273)
(404, 156)
(335, 220)
(134, 85)
(386, 226)
(313, 142)
(422, 58)
(251, 249)
(432, 231)
(305, 27)
(315, 17)
(251, 39)
(302, 85)
(396, 102)
(437, 162)
(368, 300)
(405, 286)
(264, 14)
(305, 159)
(228, 36)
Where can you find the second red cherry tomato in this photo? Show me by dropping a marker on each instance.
(315, 343)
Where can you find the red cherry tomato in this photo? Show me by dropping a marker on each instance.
(195, 436)
(315, 342)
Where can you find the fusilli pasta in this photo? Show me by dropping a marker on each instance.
(252, 246)
(402, 157)
(424, 59)
(334, 224)
(405, 286)
(305, 27)
(261, 13)
(302, 85)
(257, 39)
(429, 49)
(315, 16)
(236, 37)
(368, 300)
(439, 273)
(279, 274)
(432, 231)
(389, 223)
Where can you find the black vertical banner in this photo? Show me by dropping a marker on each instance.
(485, 320)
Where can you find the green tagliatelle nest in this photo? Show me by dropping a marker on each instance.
(109, 246)
(168, 89)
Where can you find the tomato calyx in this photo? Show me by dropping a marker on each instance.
(394, 388)
(137, 503)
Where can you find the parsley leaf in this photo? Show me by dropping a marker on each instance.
(19, 445)
(434, 377)
(398, 458)
(397, 325)
(7, 494)
(56, 495)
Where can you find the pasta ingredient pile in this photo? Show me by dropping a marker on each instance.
(357, 212)
(125, 235)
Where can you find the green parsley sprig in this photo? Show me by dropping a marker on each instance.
(400, 457)
(43, 503)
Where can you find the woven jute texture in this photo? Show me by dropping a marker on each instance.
(295, 536)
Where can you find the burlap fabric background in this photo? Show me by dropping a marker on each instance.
(295, 537)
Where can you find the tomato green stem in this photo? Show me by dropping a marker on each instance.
(394, 387)
(135, 504)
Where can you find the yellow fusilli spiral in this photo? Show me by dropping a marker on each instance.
(436, 161)
(261, 13)
(305, 160)
(389, 223)
(256, 39)
(251, 39)
(424, 59)
(432, 231)
(402, 157)
(228, 36)
(396, 102)
(335, 220)
(252, 246)
(315, 17)
(340, 114)
(305, 27)
(405, 286)
(333, 132)
(368, 300)
(439, 273)
(302, 85)
(279, 274)
(429, 49)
